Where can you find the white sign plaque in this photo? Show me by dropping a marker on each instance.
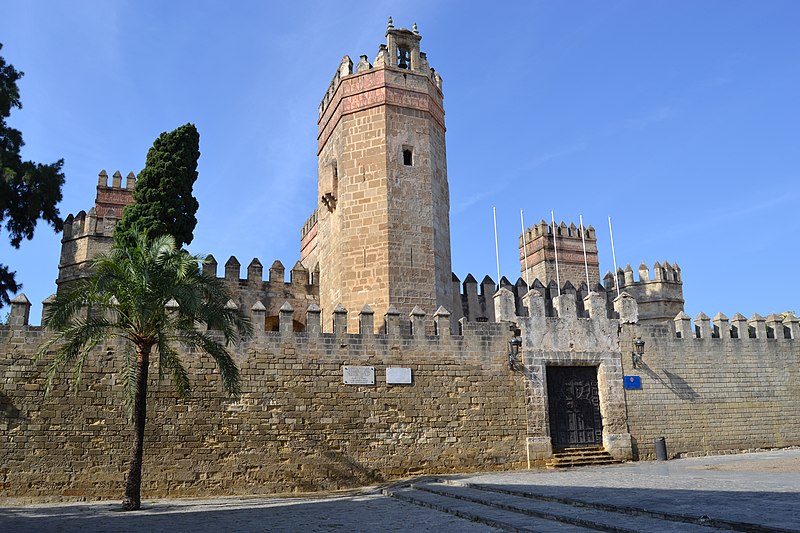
(358, 375)
(398, 376)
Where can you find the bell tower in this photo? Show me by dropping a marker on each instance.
(382, 232)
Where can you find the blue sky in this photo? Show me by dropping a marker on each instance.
(679, 119)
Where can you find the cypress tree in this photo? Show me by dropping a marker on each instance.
(163, 201)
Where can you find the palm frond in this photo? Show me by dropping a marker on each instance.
(126, 297)
(228, 370)
(169, 359)
(76, 342)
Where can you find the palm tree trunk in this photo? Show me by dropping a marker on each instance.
(132, 500)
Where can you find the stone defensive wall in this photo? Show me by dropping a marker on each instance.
(297, 427)
(718, 386)
(324, 410)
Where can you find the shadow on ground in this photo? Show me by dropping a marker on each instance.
(373, 512)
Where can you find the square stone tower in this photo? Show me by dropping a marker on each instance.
(540, 244)
(381, 232)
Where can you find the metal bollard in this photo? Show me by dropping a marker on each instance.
(661, 448)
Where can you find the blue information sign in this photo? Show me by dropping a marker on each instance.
(633, 382)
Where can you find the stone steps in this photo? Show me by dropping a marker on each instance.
(520, 511)
(580, 457)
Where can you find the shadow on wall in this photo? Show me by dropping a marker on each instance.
(338, 470)
(347, 470)
(679, 386)
(635, 449)
(9, 414)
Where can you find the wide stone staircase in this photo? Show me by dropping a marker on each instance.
(580, 457)
(512, 508)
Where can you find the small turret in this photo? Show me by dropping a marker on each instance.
(659, 297)
(87, 235)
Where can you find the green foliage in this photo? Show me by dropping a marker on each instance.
(152, 295)
(164, 204)
(149, 294)
(28, 191)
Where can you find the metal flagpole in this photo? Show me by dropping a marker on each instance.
(555, 247)
(585, 262)
(614, 255)
(524, 249)
(527, 282)
(496, 250)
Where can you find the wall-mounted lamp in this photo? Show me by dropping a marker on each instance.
(513, 351)
(638, 352)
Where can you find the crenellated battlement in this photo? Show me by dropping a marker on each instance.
(308, 240)
(85, 224)
(393, 330)
(473, 300)
(309, 225)
(114, 197)
(665, 272)
(541, 243)
(775, 326)
(568, 329)
(660, 295)
(85, 236)
(572, 231)
(300, 291)
(401, 52)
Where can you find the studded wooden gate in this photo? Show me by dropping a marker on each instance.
(574, 405)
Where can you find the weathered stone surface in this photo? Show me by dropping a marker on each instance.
(296, 427)
(382, 232)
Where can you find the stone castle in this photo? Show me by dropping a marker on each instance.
(451, 376)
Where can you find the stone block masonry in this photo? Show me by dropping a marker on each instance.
(540, 244)
(297, 427)
(382, 231)
(378, 242)
(713, 393)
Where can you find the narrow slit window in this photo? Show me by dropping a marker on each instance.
(408, 157)
(335, 172)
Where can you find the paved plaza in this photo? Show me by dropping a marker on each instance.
(747, 492)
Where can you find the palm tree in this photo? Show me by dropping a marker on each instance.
(152, 295)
